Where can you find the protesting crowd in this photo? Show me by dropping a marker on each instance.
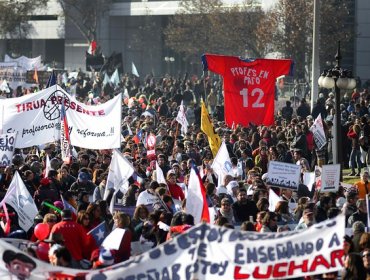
(77, 210)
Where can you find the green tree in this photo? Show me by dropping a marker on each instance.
(85, 15)
(15, 16)
(295, 26)
(209, 26)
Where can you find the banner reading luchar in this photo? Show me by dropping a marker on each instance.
(36, 119)
(211, 252)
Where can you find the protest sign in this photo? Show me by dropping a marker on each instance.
(7, 142)
(318, 172)
(318, 132)
(37, 120)
(283, 175)
(210, 252)
(330, 178)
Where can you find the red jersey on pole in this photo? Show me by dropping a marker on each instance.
(249, 86)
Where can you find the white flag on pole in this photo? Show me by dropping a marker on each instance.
(134, 70)
(4, 86)
(115, 78)
(120, 170)
(222, 164)
(106, 79)
(22, 202)
(159, 174)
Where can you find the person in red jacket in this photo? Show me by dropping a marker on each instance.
(73, 234)
(355, 157)
(175, 190)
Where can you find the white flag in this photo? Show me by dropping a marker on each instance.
(273, 200)
(159, 174)
(181, 119)
(120, 170)
(129, 130)
(106, 79)
(134, 70)
(22, 202)
(115, 78)
(47, 166)
(4, 87)
(222, 164)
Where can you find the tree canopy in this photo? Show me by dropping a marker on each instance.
(15, 16)
(247, 30)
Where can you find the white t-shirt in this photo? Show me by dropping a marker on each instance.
(146, 198)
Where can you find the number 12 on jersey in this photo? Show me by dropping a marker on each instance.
(255, 92)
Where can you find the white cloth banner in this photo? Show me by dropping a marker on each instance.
(7, 142)
(14, 76)
(210, 252)
(8, 64)
(22, 202)
(330, 178)
(318, 132)
(36, 119)
(26, 63)
(283, 175)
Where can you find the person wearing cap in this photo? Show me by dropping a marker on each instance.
(308, 219)
(83, 183)
(73, 233)
(363, 186)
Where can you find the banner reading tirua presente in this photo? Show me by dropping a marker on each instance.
(283, 175)
(36, 118)
(7, 142)
(211, 252)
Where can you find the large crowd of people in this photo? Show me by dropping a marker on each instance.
(240, 201)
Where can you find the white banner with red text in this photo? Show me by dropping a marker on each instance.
(36, 120)
(211, 252)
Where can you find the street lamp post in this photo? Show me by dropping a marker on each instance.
(337, 78)
(169, 60)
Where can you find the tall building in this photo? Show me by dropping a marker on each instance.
(134, 28)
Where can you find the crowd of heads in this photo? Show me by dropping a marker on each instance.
(152, 211)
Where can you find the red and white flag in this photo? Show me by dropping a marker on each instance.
(196, 201)
(92, 48)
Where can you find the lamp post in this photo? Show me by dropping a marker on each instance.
(337, 78)
(169, 60)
